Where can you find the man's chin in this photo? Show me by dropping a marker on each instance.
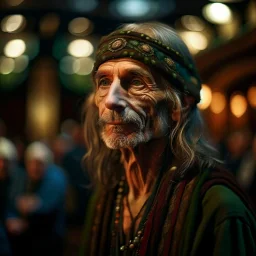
(119, 142)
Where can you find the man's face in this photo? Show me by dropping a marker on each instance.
(132, 107)
(35, 169)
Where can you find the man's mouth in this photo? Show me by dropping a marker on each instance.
(116, 123)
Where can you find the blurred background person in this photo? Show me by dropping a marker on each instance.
(5, 249)
(36, 215)
(236, 145)
(60, 145)
(20, 145)
(8, 158)
(246, 173)
(79, 189)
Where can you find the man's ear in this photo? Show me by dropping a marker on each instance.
(188, 102)
(176, 115)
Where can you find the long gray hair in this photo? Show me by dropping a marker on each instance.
(187, 140)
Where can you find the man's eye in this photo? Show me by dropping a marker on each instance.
(137, 82)
(104, 82)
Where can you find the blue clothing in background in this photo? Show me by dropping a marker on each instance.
(5, 249)
(78, 184)
(47, 224)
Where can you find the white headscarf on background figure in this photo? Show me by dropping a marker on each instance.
(8, 150)
(38, 150)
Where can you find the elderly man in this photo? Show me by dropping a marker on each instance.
(160, 188)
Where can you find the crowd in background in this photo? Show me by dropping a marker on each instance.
(44, 191)
(44, 188)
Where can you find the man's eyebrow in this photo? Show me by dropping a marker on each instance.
(100, 73)
(139, 71)
(130, 71)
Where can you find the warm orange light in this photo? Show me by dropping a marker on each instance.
(251, 95)
(218, 102)
(206, 97)
(49, 24)
(238, 105)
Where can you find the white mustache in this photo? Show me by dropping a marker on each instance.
(125, 118)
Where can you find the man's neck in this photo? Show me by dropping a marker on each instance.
(142, 165)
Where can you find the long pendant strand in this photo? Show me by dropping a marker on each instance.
(117, 233)
(118, 222)
(135, 241)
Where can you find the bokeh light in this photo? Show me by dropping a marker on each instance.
(195, 41)
(217, 13)
(192, 23)
(13, 23)
(83, 66)
(6, 65)
(133, 8)
(251, 95)
(21, 63)
(238, 104)
(218, 103)
(14, 48)
(80, 26)
(206, 97)
(80, 48)
(67, 65)
(49, 24)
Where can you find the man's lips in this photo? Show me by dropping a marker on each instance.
(116, 123)
(120, 127)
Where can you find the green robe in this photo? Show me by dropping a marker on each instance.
(227, 226)
(217, 221)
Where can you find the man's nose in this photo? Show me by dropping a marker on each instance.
(115, 99)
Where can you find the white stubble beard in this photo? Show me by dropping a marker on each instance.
(143, 134)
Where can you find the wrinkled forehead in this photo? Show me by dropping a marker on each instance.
(124, 64)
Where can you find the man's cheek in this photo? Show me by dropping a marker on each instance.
(97, 100)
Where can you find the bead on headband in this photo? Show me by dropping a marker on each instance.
(152, 52)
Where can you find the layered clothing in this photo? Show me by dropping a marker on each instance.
(204, 213)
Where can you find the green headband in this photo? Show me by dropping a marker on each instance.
(169, 62)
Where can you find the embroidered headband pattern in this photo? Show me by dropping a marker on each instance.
(152, 52)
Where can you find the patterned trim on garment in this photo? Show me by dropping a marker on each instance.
(170, 221)
(185, 201)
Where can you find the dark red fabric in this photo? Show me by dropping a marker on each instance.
(177, 202)
(154, 216)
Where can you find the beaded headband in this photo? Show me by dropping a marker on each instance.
(168, 61)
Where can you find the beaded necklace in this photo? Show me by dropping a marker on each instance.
(130, 248)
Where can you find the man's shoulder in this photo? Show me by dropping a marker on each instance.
(222, 196)
(223, 202)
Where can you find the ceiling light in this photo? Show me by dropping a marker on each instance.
(218, 102)
(192, 23)
(80, 26)
(15, 48)
(80, 48)
(6, 65)
(206, 97)
(238, 105)
(13, 23)
(217, 13)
